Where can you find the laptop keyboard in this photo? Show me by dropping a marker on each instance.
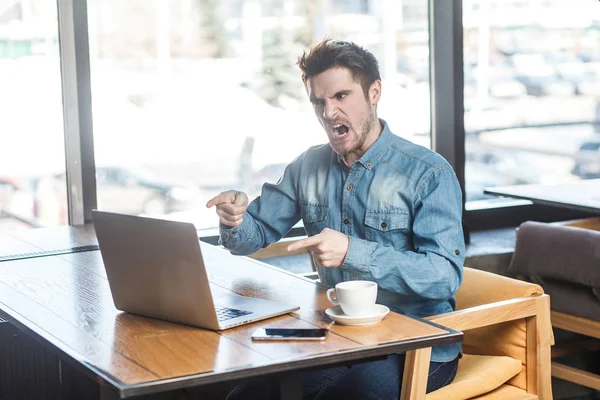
(224, 313)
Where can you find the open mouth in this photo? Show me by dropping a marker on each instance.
(339, 130)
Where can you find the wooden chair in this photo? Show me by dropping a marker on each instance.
(506, 346)
(564, 258)
(507, 329)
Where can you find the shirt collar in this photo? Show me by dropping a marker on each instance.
(377, 149)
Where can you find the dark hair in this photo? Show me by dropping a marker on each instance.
(331, 53)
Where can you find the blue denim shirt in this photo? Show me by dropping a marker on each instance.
(401, 206)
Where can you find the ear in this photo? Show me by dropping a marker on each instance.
(375, 92)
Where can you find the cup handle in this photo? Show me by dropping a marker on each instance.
(331, 295)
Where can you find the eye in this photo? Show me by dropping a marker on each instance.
(317, 103)
(341, 96)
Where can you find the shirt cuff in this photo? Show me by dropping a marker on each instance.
(232, 232)
(358, 257)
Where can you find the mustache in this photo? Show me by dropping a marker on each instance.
(331, 124)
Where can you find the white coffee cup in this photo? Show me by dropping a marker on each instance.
(356, 298)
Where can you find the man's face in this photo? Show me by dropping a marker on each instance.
(348, 116)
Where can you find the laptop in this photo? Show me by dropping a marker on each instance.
(158, 268)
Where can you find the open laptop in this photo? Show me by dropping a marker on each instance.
(156, 268)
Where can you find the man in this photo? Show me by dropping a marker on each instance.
(375, 207)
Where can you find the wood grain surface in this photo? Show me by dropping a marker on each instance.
(59, 237)
(10, 245)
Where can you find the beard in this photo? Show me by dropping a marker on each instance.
(366, 126)
(363, 130)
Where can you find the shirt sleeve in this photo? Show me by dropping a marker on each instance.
(434, 269)
(268, 217)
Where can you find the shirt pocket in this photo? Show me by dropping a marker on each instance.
(388, 227)
(315, 218)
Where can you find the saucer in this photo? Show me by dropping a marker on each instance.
(336, 313)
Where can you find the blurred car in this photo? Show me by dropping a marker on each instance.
(585, 76)
(546, 82)
(587, 159)
(587, 83)
(501, 83)
(490, 116)
(506, 88)
(137, 191)
(269, 173)
(16, 198)
(132, 190)
(547, 85)
(479, 176)
(413, 67)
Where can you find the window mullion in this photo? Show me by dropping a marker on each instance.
(77, 109)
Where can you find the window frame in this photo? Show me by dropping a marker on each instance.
(77, 110)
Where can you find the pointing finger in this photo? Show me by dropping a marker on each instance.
(224, 197)
(303, 243)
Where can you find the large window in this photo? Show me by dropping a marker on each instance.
(32, 154)
(192, 97)
(532, 93)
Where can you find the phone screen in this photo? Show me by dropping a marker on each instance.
(290, 334)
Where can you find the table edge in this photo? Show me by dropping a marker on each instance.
(305, 363)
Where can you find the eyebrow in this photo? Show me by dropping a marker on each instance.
(313, 98)
(345, 91)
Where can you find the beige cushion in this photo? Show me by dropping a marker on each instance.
(507, 392)
(477, 375)
(513, 343)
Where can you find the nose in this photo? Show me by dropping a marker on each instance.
(329, 111)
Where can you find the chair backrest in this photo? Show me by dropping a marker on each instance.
(481, 287)
(564, 258)
(565, 261)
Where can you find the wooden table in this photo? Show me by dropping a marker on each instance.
(30, 243)
(582, 195)
(64, 302)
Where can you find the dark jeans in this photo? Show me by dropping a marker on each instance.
(376, 380)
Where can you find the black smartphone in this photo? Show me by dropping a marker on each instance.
(289, 334)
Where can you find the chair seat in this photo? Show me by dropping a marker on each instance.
(478, 375)
(507, 392)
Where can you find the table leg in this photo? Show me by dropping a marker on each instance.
(290, 386)
(416, 372)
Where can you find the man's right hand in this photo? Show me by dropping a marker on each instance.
(230, 206)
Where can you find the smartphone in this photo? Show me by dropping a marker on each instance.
(289, 334)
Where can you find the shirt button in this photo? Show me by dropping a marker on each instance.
(234, 232)
(369, 165)
(346, 221)
(457, 252)
(349, 187)
(383, 225)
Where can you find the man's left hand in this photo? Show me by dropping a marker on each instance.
(328, 248)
